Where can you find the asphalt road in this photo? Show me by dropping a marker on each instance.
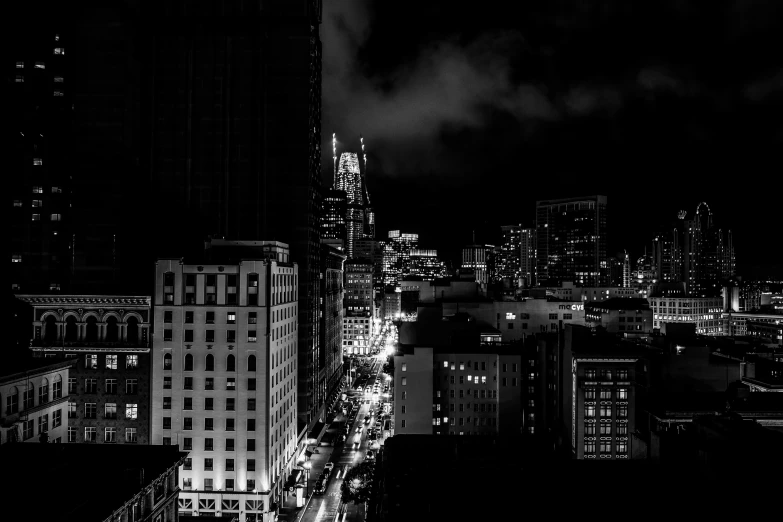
(326, 507)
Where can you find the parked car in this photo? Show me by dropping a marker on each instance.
(329, 466)
(319, 487)
(370, 455)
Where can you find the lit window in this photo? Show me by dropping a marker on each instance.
(17, 202)
(20, 65)
(58, 93)
(56, 217)
(131, 361)
(58, 79)
(130, 435)
(37, 189)
(40, 65)
(16, 258)
(59, 50)
(19, 78)
(131, 411)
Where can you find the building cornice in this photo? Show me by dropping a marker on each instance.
(65, 300)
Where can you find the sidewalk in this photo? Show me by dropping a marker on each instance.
(288, 511)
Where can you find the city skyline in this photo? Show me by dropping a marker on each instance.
(527, 99)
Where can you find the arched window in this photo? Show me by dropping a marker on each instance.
(133, 330)
(71, 330)
(188, 362)
(91, 333)
(167, 361)
(230, 365)
(50, 330)
(112, 330)
(57, 387)
(12, 400)
(43, 391)
(210, 363)
(251, 363)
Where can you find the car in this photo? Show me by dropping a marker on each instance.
(329, 466)
(319, 487)
(367, 419)
(359, 429)
(370, 455)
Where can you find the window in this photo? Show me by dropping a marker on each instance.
(405, 367)
(131, 411)
(187, 423)
(622, 448)
(251, 384)
(188, 383)
(36, 217)
(251, 405)
(130, 435)
(168, 316)
(251, 425)
(71, 410)
(606, 411)
(72, 431)
(403, 422)
(209, 424)
(622, 429)
(589, 412)
(110, 434)
(209, 383)
(404, 381)
(131, 361)
(187, 444)
(208, 444)
(405, 395)
(606, 429)
(251, 444)
(90, 386)
(43, 392)
(209, 363)
(252, 318)
(166, 403)
(110, 410)
(605, 448)
(622, 394)
(167, 361)
(187, 483)
(210, 289)
(59, 50)
(251, 484)
(589, 394)
(606, 375)
(56, 217)
(20, 65)
(229, 482)
(606, 394)
(230, 363)
(231, 383)
(251, 336)
(590, 373)
(231, 336)
(231, 318)
(91, 361)
(188, 362)
(209, 336)
(589, 429)
(189, 317)
(209, 404)
(131, 386)
(231, 289)
(622, 412)
(553, 317)
(622, 375)
(188, 336)
(90, 434)
(229, 424)
(208, 464)
(229, 464)
(111, 362)
(168, 334)
(252, 289)
(43, 423)
(251, 464)
(230, 404)
(168, 288)
(589, 448)
(188, 464)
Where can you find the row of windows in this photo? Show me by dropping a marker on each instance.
(110, 434)
(209, 362)
(605, 411)
(209, 464)
(209, 403)
(109, 410)
(607, 374)
(28, 426)
(209, 425)
(605, 429)
(606, 394)
(605, 448)
(463, 421)
(110, 386)
(29, 393)
(208, 504)
(281, 283)
(110, 361)
(187, 445)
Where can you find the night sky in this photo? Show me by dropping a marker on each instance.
(472, 112)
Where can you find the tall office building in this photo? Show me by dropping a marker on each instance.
(571, 241)
(359, 306)
(234, 143)
(349, 179)
(396, 254)
(333, 214)
(478, 258)
(509, 263)
(424, 264)
(224, 374)
(527, 256)
(330, 352)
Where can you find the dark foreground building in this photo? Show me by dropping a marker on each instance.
(95, 482)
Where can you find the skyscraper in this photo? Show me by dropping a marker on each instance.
(396, 253)
(349, 179)
(527, 255)
(234, 114)
(334, 210)
(571, 241)
(509, 262)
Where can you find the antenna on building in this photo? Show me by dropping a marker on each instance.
(334, 152)
(364, 154)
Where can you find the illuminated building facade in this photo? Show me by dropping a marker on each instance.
(509, 262)
(424, 264)
(225, 374)
(334, 212)
(459, 391)
(767, 328)
(396, 255)
(704, 312)
(601, 381)
(349, 179)
(331, 317)
(359, 306)
(644, 274)
(35, 400)
(527, 256)
(570, 292)
(110, 338)
(478, 258)
(571, 237)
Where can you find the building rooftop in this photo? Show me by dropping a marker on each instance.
(86, 482)
(16, 367)
(620, 303)
(444, 333)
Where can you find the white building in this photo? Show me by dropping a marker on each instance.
(705, 312)
(224, 375)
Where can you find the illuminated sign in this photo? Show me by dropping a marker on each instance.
(511, 316)
(570, 307)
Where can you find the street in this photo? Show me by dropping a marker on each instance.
(327, 507)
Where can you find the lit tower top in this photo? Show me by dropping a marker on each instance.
(349, 178)
(334, 152)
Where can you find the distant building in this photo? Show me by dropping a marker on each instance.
(396, 254)
(704, 312)
(358, 325)
(333, 215)
(570, 292)
(560, 225)
(424, 264)
(330, 352)
(478, 258)
(109, 387)
(36, 402)
(624, 316)
(126, 482)
(601, 381)
(767, 328)
(392, 303)
(527, 256)
(459, 385)
(763, 375)
(225, 373)
(509, 264)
